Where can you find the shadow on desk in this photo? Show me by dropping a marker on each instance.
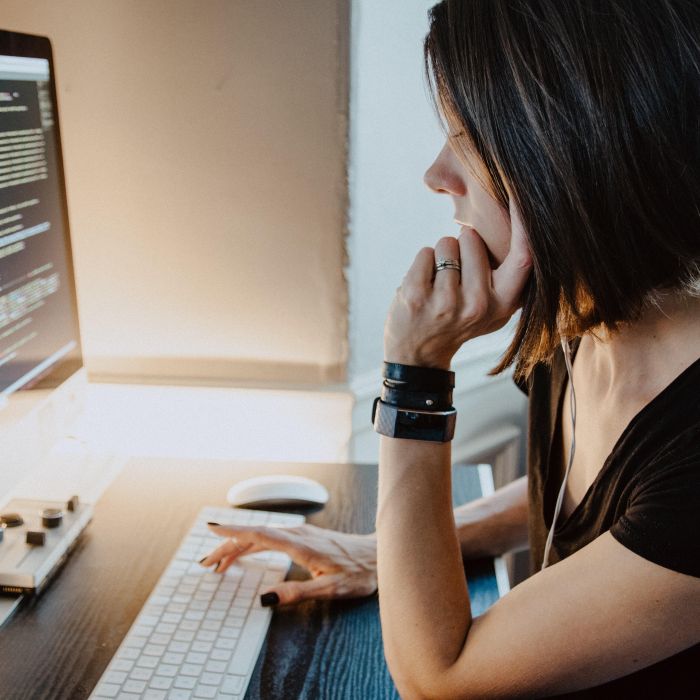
(57, 646)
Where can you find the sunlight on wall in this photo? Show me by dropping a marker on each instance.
(217, 423)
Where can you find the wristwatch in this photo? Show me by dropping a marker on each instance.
(413, 424)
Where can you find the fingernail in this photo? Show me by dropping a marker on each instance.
(201, 561)
(214, 524)
(267, 599)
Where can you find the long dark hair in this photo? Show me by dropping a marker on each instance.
(589, 110)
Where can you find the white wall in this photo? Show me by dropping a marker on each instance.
(205, 154)
(394, 137)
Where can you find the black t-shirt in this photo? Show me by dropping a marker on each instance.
(647, 494)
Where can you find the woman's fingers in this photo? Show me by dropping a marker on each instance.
(229, 559)
(276, 538)
(229, 548)
(321, 587)
(510, 277)
(476, 271)
(446, 280)
(420, 274)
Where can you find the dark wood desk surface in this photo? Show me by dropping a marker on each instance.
(57, 646)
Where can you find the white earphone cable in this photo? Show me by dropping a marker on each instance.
(560, 498)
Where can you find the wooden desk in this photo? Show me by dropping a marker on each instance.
(57, 646)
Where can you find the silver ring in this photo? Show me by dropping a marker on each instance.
(443, 264)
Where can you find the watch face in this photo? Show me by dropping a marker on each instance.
(394, 421)
(420, 426)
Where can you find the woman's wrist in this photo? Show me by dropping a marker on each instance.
(415, 360)
(415, 403)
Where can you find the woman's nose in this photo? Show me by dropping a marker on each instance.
(441, 176)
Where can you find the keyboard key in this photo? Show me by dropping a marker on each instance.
(161, 682)
(215, 666)
(107, 690)
(206, 636)
(121, 664)
(230, 631)
(117, 677)
(172, 618)
(220, 655)
(129, 653)
(154, 650)
(232, 684)
(136, 642)
(169, 670)
(134, 686)
(185, 682)
(191, 669)
(211, 678)
(225, 643)
(141, 674)
(196, 658)
(176, 694)
(183, 636)
(152, 694)
(147, 662)
(205, 691)
(172, 658)
(245, 654)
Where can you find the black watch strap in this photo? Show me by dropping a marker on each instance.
(413, 424)
(420, 378)
(423, 400)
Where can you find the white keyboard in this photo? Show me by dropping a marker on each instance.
(199, 634)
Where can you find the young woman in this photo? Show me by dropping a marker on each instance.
(573, 159)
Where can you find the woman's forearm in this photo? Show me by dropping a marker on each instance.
(423, 597)
(495, 524)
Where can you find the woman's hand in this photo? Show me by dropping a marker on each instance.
(341, 565)
(433, 314)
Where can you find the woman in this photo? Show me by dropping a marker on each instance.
(572, 159)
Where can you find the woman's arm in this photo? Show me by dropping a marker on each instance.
(495, 524)
(423, 598)
(344, 565)
(602, 613)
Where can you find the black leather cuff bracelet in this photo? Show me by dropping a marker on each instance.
(418, 378)
(424, 400)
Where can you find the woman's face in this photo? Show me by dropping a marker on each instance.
(474, 206)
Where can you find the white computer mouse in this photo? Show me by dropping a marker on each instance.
(277, 490)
